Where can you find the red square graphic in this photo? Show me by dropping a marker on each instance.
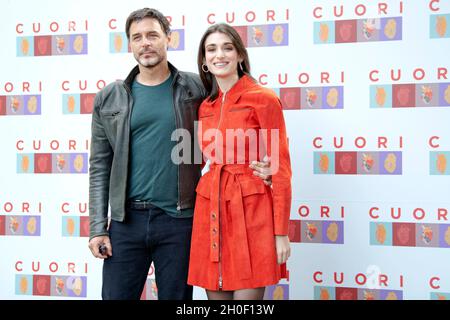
(87, 103)
(84, 226)
(403, 95)
(2, 225)
(346, 162)
(2, 105)
(404, 234)
(242, 33)
(41, 285)
(290, 98)
(345, 31)
(343, 293)
(42, 163)
(43, 45)
(294, 230)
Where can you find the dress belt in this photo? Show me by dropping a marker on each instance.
(239, 252)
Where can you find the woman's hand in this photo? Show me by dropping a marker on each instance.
(283, 248)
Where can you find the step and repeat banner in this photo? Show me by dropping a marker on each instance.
(365, 90)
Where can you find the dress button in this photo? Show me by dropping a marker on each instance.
(214, 230)
(214, 245)
(213, 216)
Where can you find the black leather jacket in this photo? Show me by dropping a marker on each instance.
(108, 162)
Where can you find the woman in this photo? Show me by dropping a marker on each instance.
(239, 237)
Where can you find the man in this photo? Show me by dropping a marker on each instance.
(151, 197)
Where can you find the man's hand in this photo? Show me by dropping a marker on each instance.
(262, 170)
(101, 241)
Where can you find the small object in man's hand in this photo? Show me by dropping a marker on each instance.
(102, 250)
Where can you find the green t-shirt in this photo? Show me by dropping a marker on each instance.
(152, 175)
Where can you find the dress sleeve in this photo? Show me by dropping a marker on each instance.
(270, 116)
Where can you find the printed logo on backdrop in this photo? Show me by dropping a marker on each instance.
(439, 21)
(27, 223)
(438, 158)
(324, 231)
(74, 225)
(438, 292)
(372, 285)
(79, 101)
(409, 234)
(118, 42)
(23, 103)
(51, 162)
(55, 38)
(272, 32)
(326, 97)
(409, 95)
(371, 25)
(150, 291)
(357, 162)
(29, 281)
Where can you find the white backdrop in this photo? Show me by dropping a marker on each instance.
(45, 100)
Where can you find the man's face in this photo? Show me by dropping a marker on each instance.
(148, 42)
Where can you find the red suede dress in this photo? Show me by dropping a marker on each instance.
(236, 215)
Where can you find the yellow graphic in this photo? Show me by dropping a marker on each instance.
(59, 285)
(324, 294)
(380, 234)
(23, 285)
(32, 104)
(441, 163)
(71, 104)
(13, 224)
(70, 227)
(278, 34)
(78, 44)
(447, 94)
(441, 25)
(78, 163)
(380, 96)
(323, 32)
(332, 97)
(25, 46)
(77, 286)
(333, 232)
(278, 293)
(15, 104)
(447, 236)
(60, 44)
(391, 296)
(118, 42)
(174, 40)
(390, 29)
(25, 163)
(324, 162)
(369, 295)
(390, 163)
(31, 225)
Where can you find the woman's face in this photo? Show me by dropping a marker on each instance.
(221, 56)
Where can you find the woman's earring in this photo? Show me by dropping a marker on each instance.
(205, 68)
(240, 66)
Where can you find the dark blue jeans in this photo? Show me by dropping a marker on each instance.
(147, 236)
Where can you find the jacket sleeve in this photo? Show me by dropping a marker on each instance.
(100, 160)
(270, 117)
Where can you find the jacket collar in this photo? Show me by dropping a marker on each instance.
(232, 96)
(135, 71)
